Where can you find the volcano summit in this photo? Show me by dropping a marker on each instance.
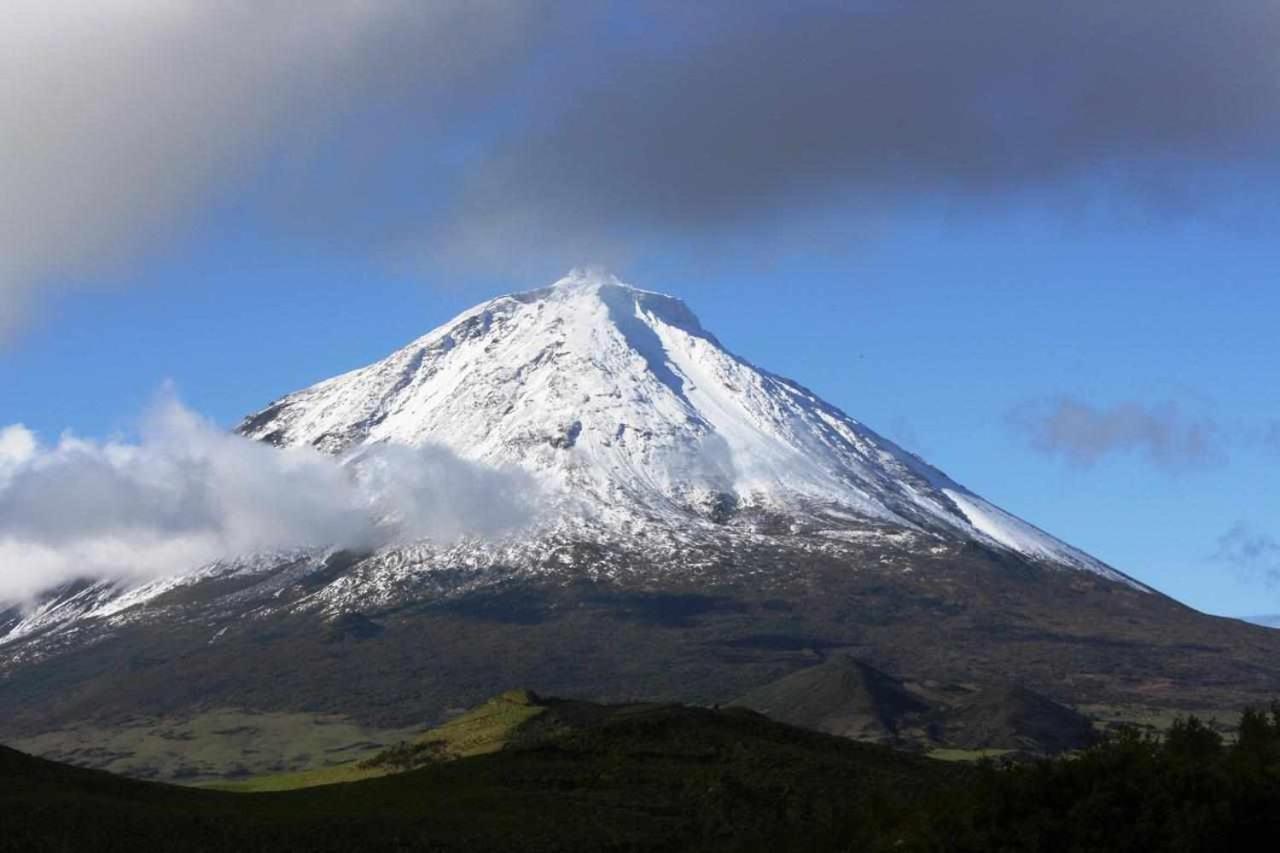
(638, 423)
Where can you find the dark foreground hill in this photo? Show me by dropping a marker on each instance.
(640, 777)
(662, 777)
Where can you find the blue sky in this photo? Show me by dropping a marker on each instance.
(958, 298)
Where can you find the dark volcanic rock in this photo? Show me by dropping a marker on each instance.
(1013, 717)
(841, 696)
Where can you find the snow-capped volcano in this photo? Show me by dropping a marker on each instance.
(704, 527)
(632, 416)
(653, 453)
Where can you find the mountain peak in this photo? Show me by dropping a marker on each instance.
(584, 279)
(585, 288)
(633, 417)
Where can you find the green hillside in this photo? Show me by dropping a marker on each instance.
(572, 776)
(482, 730)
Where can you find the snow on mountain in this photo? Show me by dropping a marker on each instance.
(646, 441)
(635, 418)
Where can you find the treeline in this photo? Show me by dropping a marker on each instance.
(1188, 790)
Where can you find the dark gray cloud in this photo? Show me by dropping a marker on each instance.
(495, 131)
(1253, 555)
(1083, 434)
(746, 112)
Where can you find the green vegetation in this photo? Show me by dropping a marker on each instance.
(576, 776)
(215, 744)
(489, 727)
(1188, 790)
(482, 730)
(581, 776)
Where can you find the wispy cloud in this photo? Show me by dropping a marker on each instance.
(1252, 554)
(189, 493)
(1084, 434)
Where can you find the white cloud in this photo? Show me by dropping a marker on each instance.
(17, 445)
(189, 493)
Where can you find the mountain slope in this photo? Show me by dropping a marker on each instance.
(637, 431)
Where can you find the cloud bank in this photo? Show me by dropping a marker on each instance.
(493, 131)
(1084, 434)
(750, 112)
(188, 494)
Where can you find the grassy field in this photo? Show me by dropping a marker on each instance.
(480, 731)
(215, 744)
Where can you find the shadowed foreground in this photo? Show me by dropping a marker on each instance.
(633, 778)
(660, 777)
